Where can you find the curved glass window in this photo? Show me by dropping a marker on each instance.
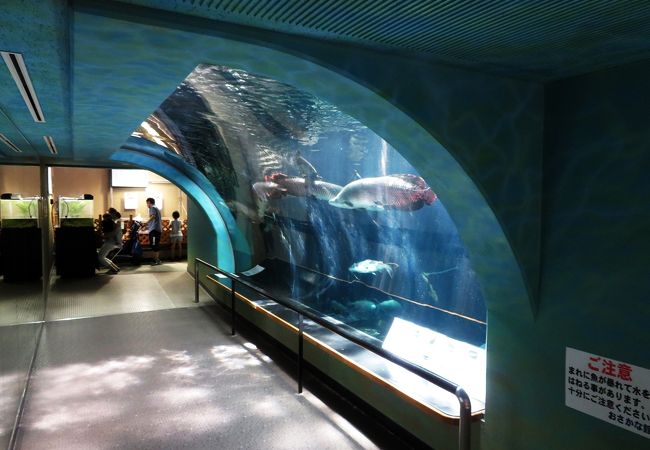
(336, 217)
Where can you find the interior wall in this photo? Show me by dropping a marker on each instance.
(594, 284)
(76, 181)
(173, 198)
(202, 241)
(23, 180)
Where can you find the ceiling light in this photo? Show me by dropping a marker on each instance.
(18, 71)
(50, 144)
(9, 144)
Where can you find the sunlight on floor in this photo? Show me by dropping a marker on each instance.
(234, 357)
(184, 384)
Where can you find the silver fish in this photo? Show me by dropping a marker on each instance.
(403, 192)
(299, 187)
(268, 189)
(372, 266)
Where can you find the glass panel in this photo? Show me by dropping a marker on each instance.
(337, 219)
(21, 297)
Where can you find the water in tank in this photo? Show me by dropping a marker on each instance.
(337, 218)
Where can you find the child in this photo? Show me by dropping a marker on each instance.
(176, 236)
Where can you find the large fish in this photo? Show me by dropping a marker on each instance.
(268, 189)
(372, 266)
(404, 192)
(299, 187)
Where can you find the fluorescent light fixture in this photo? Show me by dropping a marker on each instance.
(9, 144)
(18, 70)
(50, 144)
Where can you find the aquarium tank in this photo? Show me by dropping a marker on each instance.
(75, 212)
(19, 212)
(336, 218)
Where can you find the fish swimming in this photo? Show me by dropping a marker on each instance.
(390, 307)
(268, 189)
(404, 192)
(361, 309)
(372, 266)
(299, 187)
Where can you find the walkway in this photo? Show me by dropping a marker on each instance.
(142, 367)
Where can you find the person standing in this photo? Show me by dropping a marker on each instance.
(176, 236)
(154, 226)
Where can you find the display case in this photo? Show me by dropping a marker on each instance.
(75, 212)
(75, 246)
(19, 212)
(20, 238)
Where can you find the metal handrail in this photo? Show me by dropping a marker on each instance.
(458, 391)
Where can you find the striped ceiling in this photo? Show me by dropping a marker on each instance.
(532, 39)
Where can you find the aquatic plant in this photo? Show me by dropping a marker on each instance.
(73, 208)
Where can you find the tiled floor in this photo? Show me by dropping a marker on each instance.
(134, 289)
(20, 302)
(145, 367)
(168, 380)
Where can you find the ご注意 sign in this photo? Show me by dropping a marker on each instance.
(611, 390)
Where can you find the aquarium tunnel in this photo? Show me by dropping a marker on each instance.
(312, 205)
(402, 173)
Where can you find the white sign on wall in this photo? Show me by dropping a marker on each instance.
(610, 390)
(129, 178)
(130, 200)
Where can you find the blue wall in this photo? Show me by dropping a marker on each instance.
(594, 259)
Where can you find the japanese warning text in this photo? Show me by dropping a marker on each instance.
(613, 391)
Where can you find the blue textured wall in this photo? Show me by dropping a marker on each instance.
(595, 280)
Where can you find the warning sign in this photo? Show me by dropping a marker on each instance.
(611, 390)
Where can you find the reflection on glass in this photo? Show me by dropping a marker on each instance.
(21, 298)
(337, 218)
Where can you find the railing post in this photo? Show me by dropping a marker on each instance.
(196, 280)
(300, 351)
(232, 304)
(464, 423)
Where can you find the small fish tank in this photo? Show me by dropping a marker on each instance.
(19, 212)
(75, 212)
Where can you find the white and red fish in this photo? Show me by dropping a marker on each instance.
(299, 187)
(404, 192)
(267, 189)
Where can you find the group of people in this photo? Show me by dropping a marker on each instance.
(112, 234)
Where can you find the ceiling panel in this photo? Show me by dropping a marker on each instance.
(538, 40)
